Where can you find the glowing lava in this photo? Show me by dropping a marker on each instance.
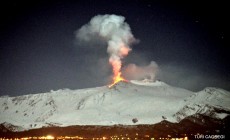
(117, 79)
(117, 52)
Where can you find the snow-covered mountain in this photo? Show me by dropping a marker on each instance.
(212, 102)
(135, 102)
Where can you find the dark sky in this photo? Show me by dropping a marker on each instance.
(39, 52)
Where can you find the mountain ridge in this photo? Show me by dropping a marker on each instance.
(148, 102)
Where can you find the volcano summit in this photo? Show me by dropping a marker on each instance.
(145, 102)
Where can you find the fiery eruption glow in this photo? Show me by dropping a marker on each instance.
(116, 79)
(116, 32)
(115, 61)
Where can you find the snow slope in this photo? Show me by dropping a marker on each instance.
(213, 102)
(145, 100)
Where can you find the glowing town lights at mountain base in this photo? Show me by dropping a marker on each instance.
(114, 137)
(49, 137)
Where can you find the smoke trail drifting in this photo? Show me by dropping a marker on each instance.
(115, 31)
(134, 72)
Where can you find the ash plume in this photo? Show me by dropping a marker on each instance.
(134, 72)
(115, 31)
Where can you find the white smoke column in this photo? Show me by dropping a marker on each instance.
(115, 31)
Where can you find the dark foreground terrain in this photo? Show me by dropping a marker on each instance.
(189, 127)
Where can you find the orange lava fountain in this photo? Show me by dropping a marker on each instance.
(117, 79)
(115, 60)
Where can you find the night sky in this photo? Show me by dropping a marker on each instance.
(39, 51)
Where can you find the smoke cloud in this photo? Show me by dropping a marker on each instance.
(134, 72)
(115, 31)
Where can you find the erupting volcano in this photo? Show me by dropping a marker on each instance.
(115, 61)
(117, 33)
(117, 78)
